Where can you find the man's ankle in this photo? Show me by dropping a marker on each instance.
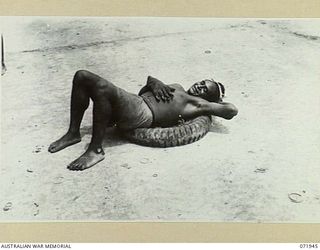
(96, 148)
(74, 132)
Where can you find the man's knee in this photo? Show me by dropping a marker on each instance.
(81, 75)
(96, 84)
(88, 79)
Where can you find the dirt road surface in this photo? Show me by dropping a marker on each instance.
(262, 166)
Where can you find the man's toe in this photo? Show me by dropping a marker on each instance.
(53, 148)
(71, 166)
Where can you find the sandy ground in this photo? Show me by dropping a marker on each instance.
(262, 166)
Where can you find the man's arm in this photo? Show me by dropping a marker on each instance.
(144, 89)
(160, 90)
(223, 109)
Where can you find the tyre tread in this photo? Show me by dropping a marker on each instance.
(189, 132)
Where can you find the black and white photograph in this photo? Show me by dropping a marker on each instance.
(160, 119)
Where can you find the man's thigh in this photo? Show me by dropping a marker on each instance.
(131, 111)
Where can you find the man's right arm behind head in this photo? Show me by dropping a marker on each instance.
(223, 109)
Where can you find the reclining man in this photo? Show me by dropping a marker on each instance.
(156, 105)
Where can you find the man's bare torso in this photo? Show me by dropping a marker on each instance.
(182, 106)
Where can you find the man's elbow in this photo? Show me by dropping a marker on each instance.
(150, 79)
(232, 111)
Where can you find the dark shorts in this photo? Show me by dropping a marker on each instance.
(131, 111)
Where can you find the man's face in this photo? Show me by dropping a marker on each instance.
(207, 90)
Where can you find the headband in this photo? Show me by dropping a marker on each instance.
(221, 95)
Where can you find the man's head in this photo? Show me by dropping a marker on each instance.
(209, 90)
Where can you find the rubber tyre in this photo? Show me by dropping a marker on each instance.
(186, 133)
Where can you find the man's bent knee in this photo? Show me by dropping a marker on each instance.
(85, 75)
(81, 74)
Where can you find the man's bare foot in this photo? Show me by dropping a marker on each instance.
(67, 140)
(87, 160)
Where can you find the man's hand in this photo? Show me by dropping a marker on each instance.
(161, 91)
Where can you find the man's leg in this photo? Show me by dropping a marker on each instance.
(223, 109)
(88, 85)
(101, 95)
(79, 103)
